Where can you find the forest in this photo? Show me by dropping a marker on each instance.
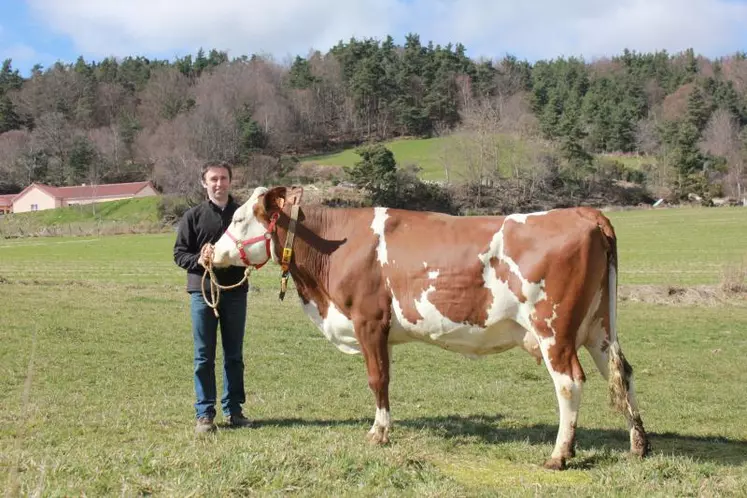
(681, 115)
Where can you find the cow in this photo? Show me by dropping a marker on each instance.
(373, 278)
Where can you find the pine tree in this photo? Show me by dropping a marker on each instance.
(9, 120)
(697, 110)
(376, 173)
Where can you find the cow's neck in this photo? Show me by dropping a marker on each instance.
(311, 253)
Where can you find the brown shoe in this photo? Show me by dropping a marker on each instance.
(205, 425)
(239, 420)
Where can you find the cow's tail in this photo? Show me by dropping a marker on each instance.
(620, 371)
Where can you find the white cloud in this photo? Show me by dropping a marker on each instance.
(19, 53)
(532, 29)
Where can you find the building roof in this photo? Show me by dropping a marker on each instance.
(7, 199)
(89, 191)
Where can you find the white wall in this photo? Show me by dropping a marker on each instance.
(37, 196)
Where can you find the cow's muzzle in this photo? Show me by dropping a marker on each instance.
(266, 237)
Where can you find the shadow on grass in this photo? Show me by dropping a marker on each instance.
(717, 449)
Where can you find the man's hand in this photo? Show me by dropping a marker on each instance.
(206, 255)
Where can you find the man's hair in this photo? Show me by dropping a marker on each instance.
(215, 164)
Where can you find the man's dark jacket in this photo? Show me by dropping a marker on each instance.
(203, 224)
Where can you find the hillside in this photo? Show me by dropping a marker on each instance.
(438, 157)
(127, 215)
(132, 118)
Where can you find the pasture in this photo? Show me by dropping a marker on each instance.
(96, 375)
(432, 154)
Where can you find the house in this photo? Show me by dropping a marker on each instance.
(6, 203)
(38, 196)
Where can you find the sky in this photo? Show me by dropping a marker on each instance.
(45, 31)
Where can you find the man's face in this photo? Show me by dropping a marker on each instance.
(218, 184)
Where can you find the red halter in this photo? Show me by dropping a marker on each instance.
(267, 237)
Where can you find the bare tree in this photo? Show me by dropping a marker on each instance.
(164, 97)
(647, 135)
(113, 100)
(333, 109)
(167, 150)
(107, 142)
(734, 69)
(655, 94)
(55, 135)
(13, 146)
(674, 106)
(56, 91)
(721, 138)
(516, 116)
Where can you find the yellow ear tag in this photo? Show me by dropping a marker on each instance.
(287, 253)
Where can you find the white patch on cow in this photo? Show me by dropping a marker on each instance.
(377, 225)
(244, 226)
(509, 321)
(522, 217)
(504, 301)
(433, 323)
(590, 327)
(469, 340)
(382, 419)
(545, 343)
(336, 327)
(613, 302)
(568, 392)
(554, 316)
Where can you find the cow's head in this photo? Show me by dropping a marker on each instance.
(249, 239)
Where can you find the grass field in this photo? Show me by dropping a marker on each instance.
(431, 155)
(140, 213)
(95, 367)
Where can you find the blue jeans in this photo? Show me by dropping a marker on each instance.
(232, 310)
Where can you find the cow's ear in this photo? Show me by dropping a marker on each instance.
(277, 198)
(274, 200)
(294, 195)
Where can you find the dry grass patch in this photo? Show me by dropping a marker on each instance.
(674, 295)
(734, 279)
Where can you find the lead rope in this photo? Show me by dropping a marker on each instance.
(215, 287)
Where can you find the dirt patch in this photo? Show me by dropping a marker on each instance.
(699, 295)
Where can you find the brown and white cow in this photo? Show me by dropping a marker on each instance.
(371, 278)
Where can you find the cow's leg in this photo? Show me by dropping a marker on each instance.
(622, 389)
(568, 377)
(373, 336)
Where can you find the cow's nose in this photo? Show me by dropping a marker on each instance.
(220, 258)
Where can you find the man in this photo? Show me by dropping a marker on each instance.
(200, 227)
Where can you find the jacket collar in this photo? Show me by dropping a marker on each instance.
(219, 209)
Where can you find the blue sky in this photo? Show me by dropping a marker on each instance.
(43, 31)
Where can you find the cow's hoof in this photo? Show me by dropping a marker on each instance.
(555, 464)
(378, 436)
(639, 445)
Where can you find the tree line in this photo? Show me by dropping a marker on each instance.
(134, 118)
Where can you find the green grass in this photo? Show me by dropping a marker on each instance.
(133, 210)
(630, 161)
(431, 155)
(95, 368)
(424, 153)
(104, 217)
(683, 246)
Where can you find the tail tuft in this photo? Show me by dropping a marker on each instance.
(620, 372)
